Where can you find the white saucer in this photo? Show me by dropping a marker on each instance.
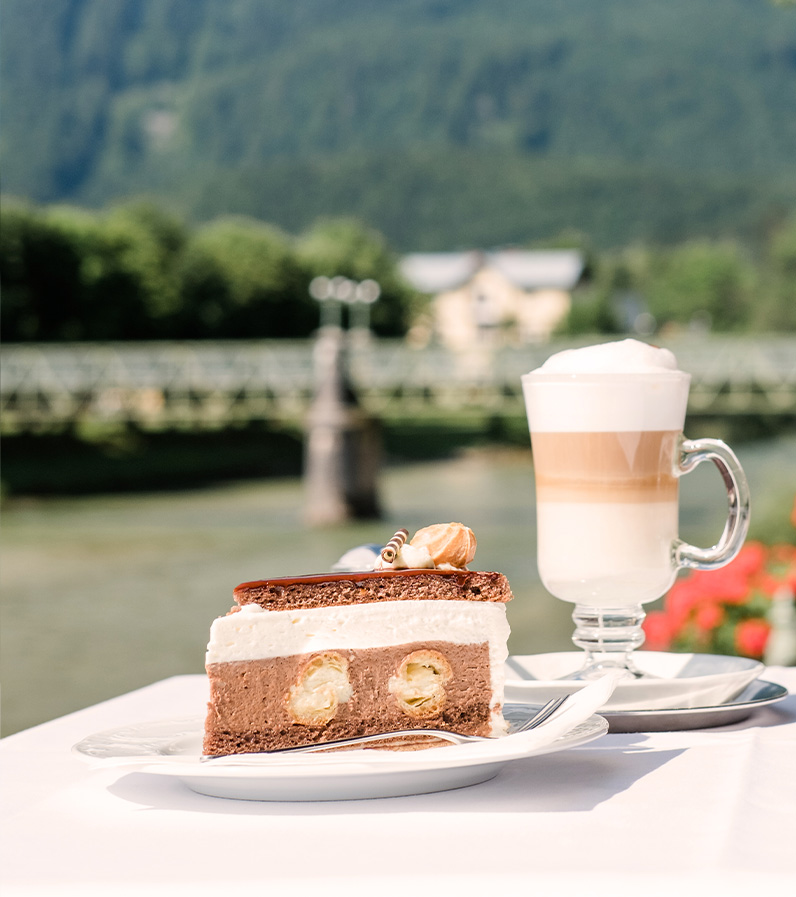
(173, 748)
(676, 680)
(755, 696)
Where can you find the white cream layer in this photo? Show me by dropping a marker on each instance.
(257, 634)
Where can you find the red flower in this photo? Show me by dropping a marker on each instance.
(725, 610)
(751, 559)
(680, 600)
(751, 637)
(709, 616)
(658, 630)
(769, 584)
(730, 583)
(783, 554)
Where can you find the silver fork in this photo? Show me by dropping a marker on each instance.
(454, 737)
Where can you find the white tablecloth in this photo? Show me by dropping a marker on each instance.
(708, 811)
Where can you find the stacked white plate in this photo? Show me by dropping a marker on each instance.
(679, 691)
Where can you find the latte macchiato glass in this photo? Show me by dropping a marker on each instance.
(606, 426)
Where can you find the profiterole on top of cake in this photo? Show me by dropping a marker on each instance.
(417, 641)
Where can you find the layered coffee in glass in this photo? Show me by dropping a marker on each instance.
(606, 427)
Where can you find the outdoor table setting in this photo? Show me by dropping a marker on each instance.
(398, 414)
(711, 807)
(651, 770)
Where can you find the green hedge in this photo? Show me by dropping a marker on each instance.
(138, 272)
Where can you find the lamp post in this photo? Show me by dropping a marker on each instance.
(325, 290)
(333, 292)
(365, 294)
(342, 444)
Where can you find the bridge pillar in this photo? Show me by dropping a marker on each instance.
(342, 447)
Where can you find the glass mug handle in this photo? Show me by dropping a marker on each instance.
(692, 453)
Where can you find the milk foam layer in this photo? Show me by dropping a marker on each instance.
(625, 386)
(628, 356)
(607, 554)
(253, 633)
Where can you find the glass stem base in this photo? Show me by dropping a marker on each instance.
(609, 636)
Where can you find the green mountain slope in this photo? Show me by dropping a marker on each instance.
(443, 122)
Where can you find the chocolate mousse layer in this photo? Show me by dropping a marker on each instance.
(262, 705)
(374, 585)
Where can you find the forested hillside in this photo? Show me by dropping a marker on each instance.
(441, 122)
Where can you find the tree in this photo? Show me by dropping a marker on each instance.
(148, 243)
(346, 247)
(776, 309)
(40, 269)
(71, 274)
(242, 279)
(713, 282)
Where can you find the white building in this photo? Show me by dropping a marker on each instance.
(506, 297)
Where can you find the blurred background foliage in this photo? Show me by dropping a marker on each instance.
(441, 123)
(701, 285)
(135, 271)
(284, 141)
(138, 272)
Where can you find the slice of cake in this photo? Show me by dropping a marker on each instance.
(418, 642)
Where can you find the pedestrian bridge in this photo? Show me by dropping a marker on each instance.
(212, 384)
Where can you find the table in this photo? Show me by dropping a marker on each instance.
(708, 811)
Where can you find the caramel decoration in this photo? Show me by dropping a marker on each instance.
(447, 543)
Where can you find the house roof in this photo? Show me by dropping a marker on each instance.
(435, 272)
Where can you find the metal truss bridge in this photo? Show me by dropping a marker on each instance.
(213, 384)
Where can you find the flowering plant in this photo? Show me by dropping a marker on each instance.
(730, 610)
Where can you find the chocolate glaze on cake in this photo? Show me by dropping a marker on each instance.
(320, 590)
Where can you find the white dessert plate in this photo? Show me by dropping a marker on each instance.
(676, 681)
(173, 748)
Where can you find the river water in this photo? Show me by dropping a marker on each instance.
(102, 595)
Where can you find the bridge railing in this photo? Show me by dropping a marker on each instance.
(216, 383)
